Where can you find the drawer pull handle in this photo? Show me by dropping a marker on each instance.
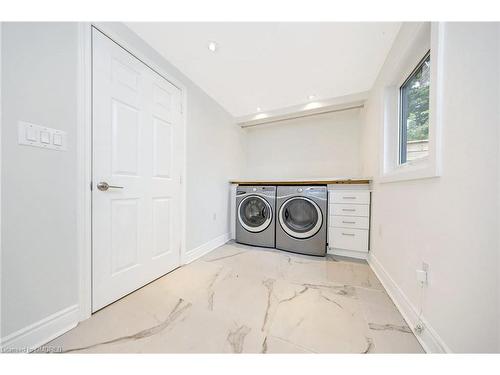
(348, 197)
(349, 209)
(348, 234)
(348, 222)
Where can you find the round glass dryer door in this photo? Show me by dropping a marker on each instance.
(300, 217)
(254, 213)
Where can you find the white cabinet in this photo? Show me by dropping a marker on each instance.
(349, 196)
(349, 239)
(349, 220)
(338, 209)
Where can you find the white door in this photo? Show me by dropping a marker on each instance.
(138, 152)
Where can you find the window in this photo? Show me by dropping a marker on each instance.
(412, 91)
(414, 113)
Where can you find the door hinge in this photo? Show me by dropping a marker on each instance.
(91, 184)
(180, 179)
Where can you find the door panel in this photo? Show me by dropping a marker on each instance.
(162, 226)
(125, 139)
(162, 97)
(123, 74)
(137, 145)
(124, 234)
(162, 148)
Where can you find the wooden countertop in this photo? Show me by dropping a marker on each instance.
(314, 181)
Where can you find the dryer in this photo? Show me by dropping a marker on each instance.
(302, 219)
(255, 215)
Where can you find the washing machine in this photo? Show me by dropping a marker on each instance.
(255, 215)
(302, 219)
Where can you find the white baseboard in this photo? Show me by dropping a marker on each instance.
(35, 335)
(207, 247)
(348, 253)
(428, 338)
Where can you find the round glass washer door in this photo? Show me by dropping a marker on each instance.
(254, 213)
(300, 217)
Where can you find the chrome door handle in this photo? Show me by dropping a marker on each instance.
(103, 186)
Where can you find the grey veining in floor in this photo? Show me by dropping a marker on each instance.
(242, 299)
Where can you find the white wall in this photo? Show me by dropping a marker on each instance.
(215, 153)
(39, 202)
(39, 257)
(450, 222)
(318, 146)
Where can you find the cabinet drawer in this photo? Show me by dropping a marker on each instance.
(349, 222)
(349, 209)
(348, 239)
(349, 196)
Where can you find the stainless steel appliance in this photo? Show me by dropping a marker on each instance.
(255, 215)
(302, 219)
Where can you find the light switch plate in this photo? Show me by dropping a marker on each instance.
(44, 136)
(31, 134)
(57, 140)
(40, 136)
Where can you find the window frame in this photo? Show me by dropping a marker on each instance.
(418, 39)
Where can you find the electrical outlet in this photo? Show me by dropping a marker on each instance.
(422, 277)
(423, 274)
(214, 216)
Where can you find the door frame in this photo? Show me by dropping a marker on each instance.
(84, 153)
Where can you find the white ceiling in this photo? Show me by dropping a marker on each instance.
(273, 65)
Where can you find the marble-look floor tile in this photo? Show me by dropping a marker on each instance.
(276, 345)
(387, 329)
(319, 270)
(389, 340)
(259, 262)
(321, 320)
(242, 299)
(227, 251)
(378, 308)
(196, 331)
(141, 314)
(194, 282)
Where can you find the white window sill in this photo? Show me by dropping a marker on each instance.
(417, 171)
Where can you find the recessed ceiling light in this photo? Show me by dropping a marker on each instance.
(212, 46)
(311, 97)
(259, 109)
